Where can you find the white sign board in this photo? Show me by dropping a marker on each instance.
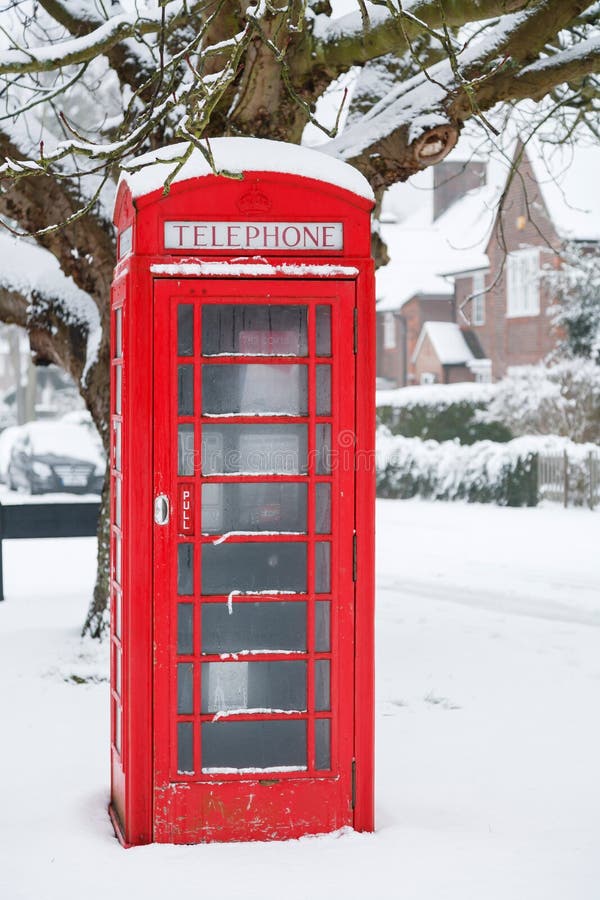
(306, 236)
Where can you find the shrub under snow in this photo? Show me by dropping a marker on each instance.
(562, 399)
(484, 472)
(440, 412)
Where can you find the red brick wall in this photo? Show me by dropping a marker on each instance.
(427, 362)
(390, 362)
(527, 339)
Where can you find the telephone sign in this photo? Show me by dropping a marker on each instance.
(241, 526)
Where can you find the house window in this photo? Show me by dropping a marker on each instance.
(478, 301)
(428, 378)
(389, 331)
(522, 283)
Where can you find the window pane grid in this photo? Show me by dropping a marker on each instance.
(317, 724)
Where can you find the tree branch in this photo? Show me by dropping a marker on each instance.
(345, 42)
(419, 121)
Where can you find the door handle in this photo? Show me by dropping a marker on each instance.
(161, 509)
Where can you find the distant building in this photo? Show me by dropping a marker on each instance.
(462, 298)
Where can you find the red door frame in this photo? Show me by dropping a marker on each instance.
(242, 807)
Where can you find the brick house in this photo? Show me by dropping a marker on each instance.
(462, 298)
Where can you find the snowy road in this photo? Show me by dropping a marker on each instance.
(488, 734)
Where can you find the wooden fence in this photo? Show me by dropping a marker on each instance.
(569, 481)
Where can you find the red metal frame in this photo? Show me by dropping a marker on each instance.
(137, 807)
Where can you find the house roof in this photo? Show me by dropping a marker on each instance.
(448, 342)
(422, 253)
(568, 176)
(426, 254)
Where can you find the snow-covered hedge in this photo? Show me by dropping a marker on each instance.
(563, 399)
(441, 412)
(484, 472)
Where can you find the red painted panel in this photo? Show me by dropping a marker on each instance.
(202, 805)
(149, 794)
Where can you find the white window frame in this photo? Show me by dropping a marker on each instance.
(478, 301)
(523, 283)
(428, 378)
(389, 331)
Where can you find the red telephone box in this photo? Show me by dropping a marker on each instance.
(242, 430)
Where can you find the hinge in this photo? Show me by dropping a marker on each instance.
(355, 330)
(354, 557)
(353, 798)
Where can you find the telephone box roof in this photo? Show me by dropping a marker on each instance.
(149, 172)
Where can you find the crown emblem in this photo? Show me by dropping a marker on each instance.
(254, 202)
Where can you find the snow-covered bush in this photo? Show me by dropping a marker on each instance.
(562, 399)
(440, 412)
(484, 472)
(577, 287)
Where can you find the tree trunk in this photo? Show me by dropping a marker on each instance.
(97, 619)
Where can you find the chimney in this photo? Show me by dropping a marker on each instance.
(452, 180)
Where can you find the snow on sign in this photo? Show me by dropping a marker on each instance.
(324, 236)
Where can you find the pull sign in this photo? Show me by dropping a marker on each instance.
(186, 509)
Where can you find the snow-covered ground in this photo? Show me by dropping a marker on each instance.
(488, 734)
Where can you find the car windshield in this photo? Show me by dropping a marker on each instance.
(49, 439)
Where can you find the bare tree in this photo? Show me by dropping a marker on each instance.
(85, 86)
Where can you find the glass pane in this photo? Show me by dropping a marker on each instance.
(185, 329)
(323, 508)
(185, 450)
(185, 569)
(255, 390)
(185, 390)
(256, 506)
(185, 628)
(254, 626)
(117, 489)
(323, 390)
(254, 449)
(117, 446)
(261, 686)
(253, 566)
(322, 691)
(322, 626)
(118, 558)
(322, 567)
(253, 330)
(117, 714)
(118, 389)
(118, 671)
(322, 744)
(118, 333)
(185, 747)
(185, 688)
(323, 331)
(118, 611)
(267, 745)
(323, 449)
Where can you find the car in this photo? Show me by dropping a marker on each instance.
(51, 456)
(7, 439)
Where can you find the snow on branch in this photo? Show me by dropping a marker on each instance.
(350, 41)
(417, 123)
(17, 60)
(32, 284)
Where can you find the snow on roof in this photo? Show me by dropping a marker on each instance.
(448, 342)
(423, 253)
(567, 174)
(243, 154)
